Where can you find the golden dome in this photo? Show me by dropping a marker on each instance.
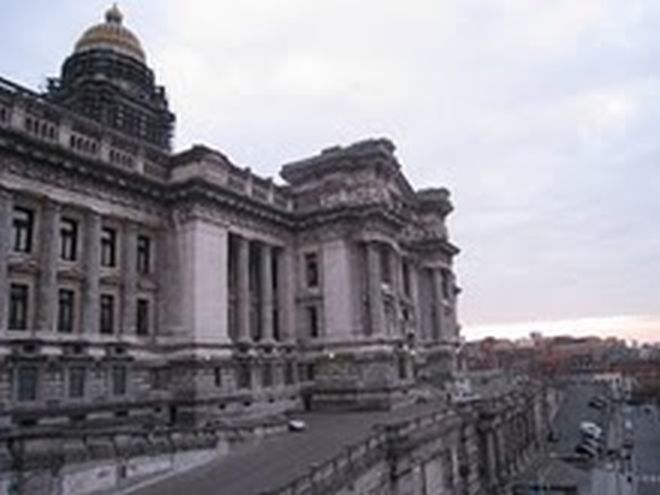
(111, 35)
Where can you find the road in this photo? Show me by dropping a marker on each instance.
(646, 452)
(574, 410)
(279, 459)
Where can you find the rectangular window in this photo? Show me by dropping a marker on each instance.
(65, 311)
(27, 382)
(22, 229)
(108, 247)
(446, 284)
(405, 274)
(313, 321)
(312, 270)
(244, 378)
(267, 375)
(288, 373)
(18, 307)
(143, 255)
(385, 265)
(160, 378)
(68, 239)
(107, 314)
(217, 376)
(118, 380)
(142, 321)
(77, 375)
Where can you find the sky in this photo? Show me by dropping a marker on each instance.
(541, 117)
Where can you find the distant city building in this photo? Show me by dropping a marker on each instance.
(139, 284)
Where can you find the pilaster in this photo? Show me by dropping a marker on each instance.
(48, 261)
(375, 289)
(5, 226)
(92, 253)
(266, 292)
(130, 278)
(286, 294)
(243, 290)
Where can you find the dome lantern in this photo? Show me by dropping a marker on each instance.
(112, 35)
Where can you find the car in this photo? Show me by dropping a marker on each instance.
(297, 425)
(597, 403)
(586, 449)
(591, 429)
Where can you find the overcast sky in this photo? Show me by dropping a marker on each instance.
(542, 117)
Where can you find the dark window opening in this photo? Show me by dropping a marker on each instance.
(217, 377)
(143, 255)
(118, 380)
(267, 375)
(312, 270)
(22, 229)
(142, 322)
(18, 307)
(77, 375)
(385, 267)
(289, 373)
(244, 378)
(108, 247)
(28, 378)
(65, 311)
(313, 321)
(68, 239)
(405, 274)
(107, 314)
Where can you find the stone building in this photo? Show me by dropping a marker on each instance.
(142, 284)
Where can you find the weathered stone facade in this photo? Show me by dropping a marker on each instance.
(142, 285)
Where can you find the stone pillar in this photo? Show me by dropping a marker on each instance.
(438, 327)
(266, 253)
(92, 254)
(48, 259)
(491, 452)
(285, 294)
(130, 278)
(375, 292)
(397, 290)
(243, 290)
(5, 226)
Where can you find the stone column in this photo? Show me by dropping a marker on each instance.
(413, 273)
(266, 253)
(92, 254)
(243, 290)
(438, 327)
(491, 447)
(397, 289)
(375, 292)
(130, 278)
(48, 259)
(285, 294)
(5, 226)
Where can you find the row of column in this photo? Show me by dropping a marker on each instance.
(441, 325)
(269, 300)
(507, 443)
(46, 290)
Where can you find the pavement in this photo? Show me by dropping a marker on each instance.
(277, 460)
(646, 450)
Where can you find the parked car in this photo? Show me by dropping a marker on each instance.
(591, 429)
(585, 449)
(597, 402)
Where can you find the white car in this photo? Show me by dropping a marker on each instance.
(591, 429)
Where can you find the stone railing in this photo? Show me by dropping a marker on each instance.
(356, 459)
(26, 112)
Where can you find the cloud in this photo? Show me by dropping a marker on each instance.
(541, 117)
